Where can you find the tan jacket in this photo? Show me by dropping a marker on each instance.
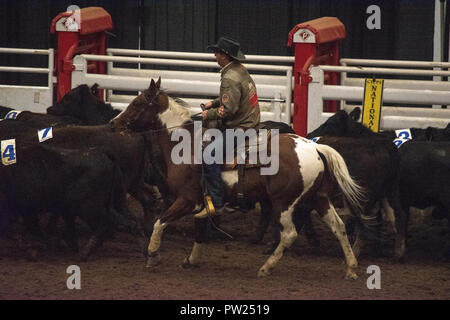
(238, 95)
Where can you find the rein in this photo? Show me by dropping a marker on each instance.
(151, 131)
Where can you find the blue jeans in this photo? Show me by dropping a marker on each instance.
(213, 171)
(212, 174)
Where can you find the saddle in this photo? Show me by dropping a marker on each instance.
(251, 153)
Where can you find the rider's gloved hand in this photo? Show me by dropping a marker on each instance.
(208, 105)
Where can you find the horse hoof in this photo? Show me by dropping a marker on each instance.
(187, 264)
(263, 273)
(350, 275)
(153, 261)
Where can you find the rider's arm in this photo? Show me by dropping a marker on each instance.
(230, 95)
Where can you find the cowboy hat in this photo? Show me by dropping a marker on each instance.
(229, 46)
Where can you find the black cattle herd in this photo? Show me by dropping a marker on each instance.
(85, 170)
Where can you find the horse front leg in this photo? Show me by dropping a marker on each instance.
(178, 209)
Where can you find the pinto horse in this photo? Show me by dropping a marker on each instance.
(308, 173)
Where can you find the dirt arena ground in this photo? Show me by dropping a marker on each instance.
(229, 269)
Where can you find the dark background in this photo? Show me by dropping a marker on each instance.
(261, 26)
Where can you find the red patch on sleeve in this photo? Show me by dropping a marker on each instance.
(254, 100)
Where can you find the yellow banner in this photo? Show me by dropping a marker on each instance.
(373, 99)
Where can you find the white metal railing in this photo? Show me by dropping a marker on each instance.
(397, 67)
(194, 55)
(274, 86)
(392, 117)
(393, 63)
(32, 98)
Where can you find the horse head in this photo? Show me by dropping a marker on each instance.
(153, 109)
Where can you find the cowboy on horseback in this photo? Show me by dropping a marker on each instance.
(237, 107)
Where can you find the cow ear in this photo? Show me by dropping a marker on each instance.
(341, 115)
(158, 83)
(94, 89)
(355, 114)
(429, 133)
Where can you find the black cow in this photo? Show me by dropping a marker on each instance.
(130, 153)
(342, 124)
(4, 111)
(73, 183)
(83, 104)
(425, 178)
(79, 106)
(419, 161)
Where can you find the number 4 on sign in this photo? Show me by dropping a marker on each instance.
(8, 152)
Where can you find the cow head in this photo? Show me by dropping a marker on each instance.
(342, 124)
(82, 103)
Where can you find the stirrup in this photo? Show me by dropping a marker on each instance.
(208, 210)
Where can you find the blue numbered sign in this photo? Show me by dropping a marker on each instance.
(8, 152)
(403, 134)
(12, 114)
(45, 134)
(398, 142)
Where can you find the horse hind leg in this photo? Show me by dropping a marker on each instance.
(331, 218)
(288, 235)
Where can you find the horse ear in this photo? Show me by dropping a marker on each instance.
(150, 91)
(355, 114)
(152, 85)
(158, 83)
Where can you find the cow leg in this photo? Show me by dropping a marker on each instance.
(446, 255)
(362, 232)
(70, 235)
(99, 222)
(329, 215)
(34, 235)
(287, 236)
(444, 206)
(388, 215)
(178, 209)
(401, 227)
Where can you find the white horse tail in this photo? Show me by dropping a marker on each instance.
(352, 191)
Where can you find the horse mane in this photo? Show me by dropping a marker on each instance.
(176, 114)
(179, 106)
